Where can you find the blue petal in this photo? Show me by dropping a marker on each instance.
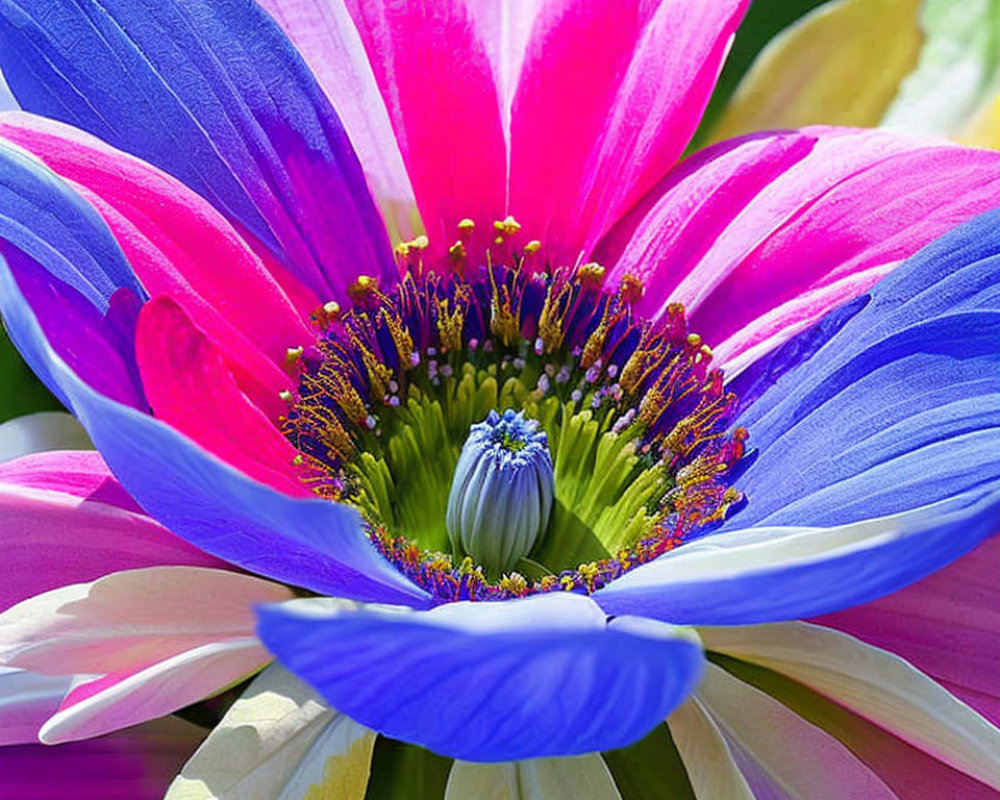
(543, 676)
(311, 543)
(46, 219)
(214, 93)
(890, 409)
(765, 574)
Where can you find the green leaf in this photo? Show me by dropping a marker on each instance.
(401, 770)
(20, 391)
(957, 71)
(650, 769)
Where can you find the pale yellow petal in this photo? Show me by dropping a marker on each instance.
(713, 773)
(839, 65)
(576, 778)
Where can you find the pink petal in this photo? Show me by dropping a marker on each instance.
(323, 32)
(137, 764)
(814, 213)
(123, 699)
(176, 242)
(610, 93)
(189, 386)
(162, 637)
(127, 621)
(947, 625)
(432, 68)
(65, 519)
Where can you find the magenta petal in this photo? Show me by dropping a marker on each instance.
(137, 764)
(610, 93)
(191, 389)
(947, 625)
(437, 83)
(65, 520)
(824, 208)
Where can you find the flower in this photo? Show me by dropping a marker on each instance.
(195, 265)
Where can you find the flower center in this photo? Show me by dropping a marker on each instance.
(501, 494)
(397, 407)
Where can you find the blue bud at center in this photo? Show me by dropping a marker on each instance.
(501, 495)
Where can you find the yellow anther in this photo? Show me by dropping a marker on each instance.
(632, 288)
(466, 226)
(457, 251)
(532, 247)
(507, 227)
(420, 243)
(364, 288)
(332, 309)
(292, 355)
(693, 340)
(498, 240)
(286, 396)
(591, 275)
(298, 460)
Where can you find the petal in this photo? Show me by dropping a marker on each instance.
(324, 33)
(175, 240)
(27, 699)
(135, 764)
(767, 574)
(522, 679)
(48, 221)
(580, 778)
(609, 96)
(780, 754)
(840, 64)
(947, 625)
(120, 700)
(7, 101)
(190, 388)
(65, 519)
(213, 93)
(907, 771)
(443, 105)
(874, 684)
(128, 620)
(276, 741)
(825, 204)
(311, 543)
(708, 760)
(43, 430)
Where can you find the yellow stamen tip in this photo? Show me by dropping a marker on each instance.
(457, 251)
(293, 354)
(533, 246)
(466, 225)
(508, 226)
(285, 395)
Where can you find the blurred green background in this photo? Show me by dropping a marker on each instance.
(21, 393)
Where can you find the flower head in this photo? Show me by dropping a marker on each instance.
(710, 397)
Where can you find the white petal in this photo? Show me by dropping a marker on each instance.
(713, 773)
(874, 684)
(276, 741)
(579, 778)
(45, 430)
(7, 101)
(27, 699)
(777, 749)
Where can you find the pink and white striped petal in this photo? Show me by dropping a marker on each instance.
(947, 625)
(123, 699)
(159, 638)
(65, 519)
(777, 754)
(129, 620)
(610, 93)
(875, 685)
(324, 33)
(432, 68)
